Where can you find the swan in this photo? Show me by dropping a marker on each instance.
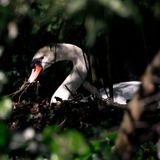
(48, 55)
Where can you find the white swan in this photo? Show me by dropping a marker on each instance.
(47, 55)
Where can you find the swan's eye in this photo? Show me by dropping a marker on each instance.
(36, 61)
(41, 58)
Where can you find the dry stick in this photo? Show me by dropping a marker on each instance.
(22, 93)
(142, 101)
(62, 123)
(37, 88)
(23, 87)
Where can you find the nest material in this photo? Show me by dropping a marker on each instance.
(29, 109)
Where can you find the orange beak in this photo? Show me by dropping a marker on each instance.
(35, 72)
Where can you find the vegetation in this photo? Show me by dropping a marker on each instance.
(120, 39)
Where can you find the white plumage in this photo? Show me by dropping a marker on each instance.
(46, 56)
(122, 92)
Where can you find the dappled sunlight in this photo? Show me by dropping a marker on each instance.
(117, 6)
(28, 134)
(5, 108)
(76, 6)
(4, 2)
(3, 78)
(12, 30)
(22, 8)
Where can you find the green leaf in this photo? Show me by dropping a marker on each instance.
(76, 6)
(65, 144)
(3, 134)
(117, 6)
(5, 107)
(76, 142)
(112, 136)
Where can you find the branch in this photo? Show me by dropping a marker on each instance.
(136, 126)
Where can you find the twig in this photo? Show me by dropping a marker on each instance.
(22, 93)
(23, 87)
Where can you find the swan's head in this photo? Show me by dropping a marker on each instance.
(43, 59)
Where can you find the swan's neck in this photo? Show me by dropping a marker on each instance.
(78, 73)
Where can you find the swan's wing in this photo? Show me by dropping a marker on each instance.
(126, 89)
(122, 92)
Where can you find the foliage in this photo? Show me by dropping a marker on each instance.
(146, 151)
(72, 140)
(53, 143)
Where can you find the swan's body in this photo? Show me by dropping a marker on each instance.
(122, 92)
(46, 56)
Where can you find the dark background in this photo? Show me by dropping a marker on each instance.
(121, 49)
